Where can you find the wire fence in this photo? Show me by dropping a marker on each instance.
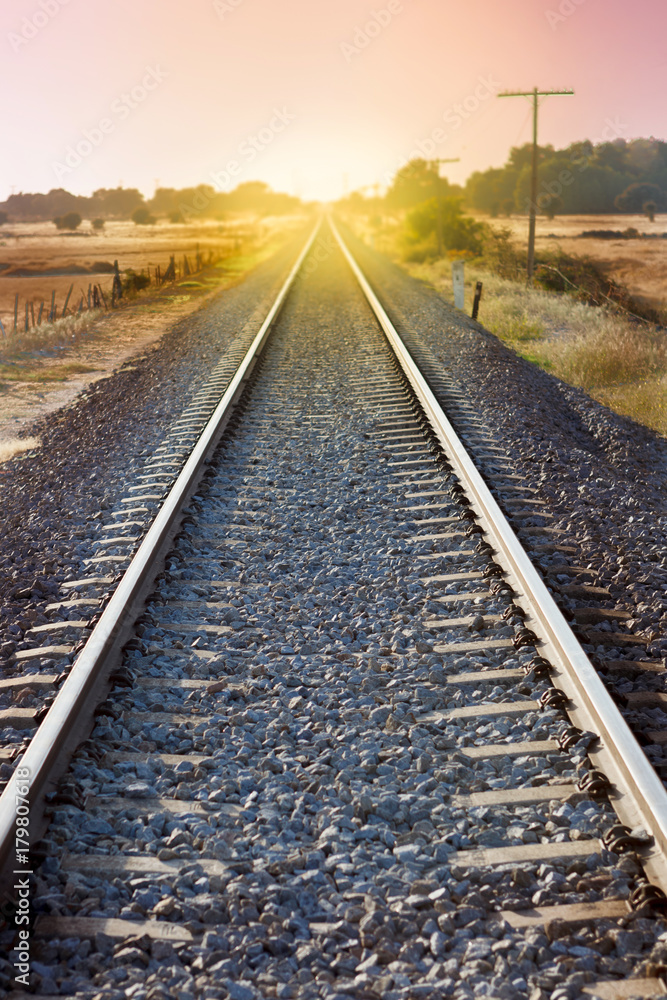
(125, 284)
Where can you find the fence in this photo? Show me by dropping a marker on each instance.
(95, 297)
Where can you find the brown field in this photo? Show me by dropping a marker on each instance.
(45, 368)
(41, 249)
(638, 264)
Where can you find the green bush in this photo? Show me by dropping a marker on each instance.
(142, 217)
(459, 231)
(72, 220)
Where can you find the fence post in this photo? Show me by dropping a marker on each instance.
(16, 312)
(477, 300)
(117, 287)
(32, 312)
(41, 310)
(27, 318)
(52, 313)
(71, 289)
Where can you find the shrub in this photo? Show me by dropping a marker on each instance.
(3, 218)
(500, 254)
(142, 217)
(176, 217)
(98, 224)
(135, 282)
(585, 280)
(72, 220)
(459, 232)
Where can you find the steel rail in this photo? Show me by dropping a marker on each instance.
(74, 702)
(639, 796)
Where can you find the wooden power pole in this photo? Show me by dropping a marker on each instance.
(535, 94)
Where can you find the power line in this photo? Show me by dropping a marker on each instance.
(535, 94)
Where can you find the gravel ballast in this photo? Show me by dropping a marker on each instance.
(316, 747)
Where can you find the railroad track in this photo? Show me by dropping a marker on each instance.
(352, 747)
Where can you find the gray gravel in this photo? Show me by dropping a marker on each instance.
(323, 781)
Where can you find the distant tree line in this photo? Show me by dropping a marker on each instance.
(620, 176)
(187, 204)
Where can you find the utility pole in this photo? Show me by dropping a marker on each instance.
(535, 94)
(437, 194)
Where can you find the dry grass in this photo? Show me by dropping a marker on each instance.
(10, 449)
(620, 363)
(48, 335)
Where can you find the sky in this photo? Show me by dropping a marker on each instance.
(315, 97)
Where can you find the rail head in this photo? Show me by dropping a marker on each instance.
(640, 797)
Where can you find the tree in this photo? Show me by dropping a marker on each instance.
(553, 207)
(649, 209)
(634, 197)
(98, 224)
(459, 232)
(176, 217)
(142, 217)
(415, 183)
(72, 220)
(507, 207)
(119, 202)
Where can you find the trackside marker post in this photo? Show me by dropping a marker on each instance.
(458, 283)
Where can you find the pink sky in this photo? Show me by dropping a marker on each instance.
(311, 95)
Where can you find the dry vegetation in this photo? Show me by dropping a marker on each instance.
(36, 258)
(638, 264)
(617, 360)
(48, 366)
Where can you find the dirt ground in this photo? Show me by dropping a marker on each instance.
(43, 378)
(639, 264)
